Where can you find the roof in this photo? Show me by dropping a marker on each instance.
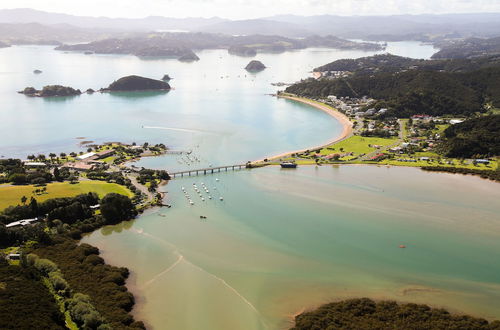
(34, 164)
(23, 222)
(79, 166)
(85, 156)
(105, 152)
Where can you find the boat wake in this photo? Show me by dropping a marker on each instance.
(188, 130)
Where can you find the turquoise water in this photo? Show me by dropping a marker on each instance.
(284, 241)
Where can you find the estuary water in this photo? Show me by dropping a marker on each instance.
(284, 241)
(279, 242)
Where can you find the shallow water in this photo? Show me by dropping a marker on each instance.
(283, 241)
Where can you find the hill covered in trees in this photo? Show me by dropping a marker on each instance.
(137, 83)
(368, 314)
(469, 48)
(478, 137)
(393, 63)
(411, 92)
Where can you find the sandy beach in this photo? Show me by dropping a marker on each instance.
(343, 120)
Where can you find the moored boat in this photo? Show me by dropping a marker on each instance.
(288, 165)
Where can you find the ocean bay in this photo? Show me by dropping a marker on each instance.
(280, 242)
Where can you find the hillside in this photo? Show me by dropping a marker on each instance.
(394, 63)
(469, 48)
(415, 91)
(478, 137)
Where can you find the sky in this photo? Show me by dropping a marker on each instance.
(243, 9)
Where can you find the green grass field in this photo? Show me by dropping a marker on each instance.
(11, 195)
(358, 145)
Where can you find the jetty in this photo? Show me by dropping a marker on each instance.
(207, 170)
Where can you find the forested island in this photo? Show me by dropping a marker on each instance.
(50, 91)
(368, 314)
(181, 45)
(136, 83)
(255, 66)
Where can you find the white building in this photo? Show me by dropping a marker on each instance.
(86, 156)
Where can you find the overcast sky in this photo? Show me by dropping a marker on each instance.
(240, 9)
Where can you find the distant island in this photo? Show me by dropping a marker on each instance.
(181, 45)
(189, 56)
(50, 91)
(166, 77)
(255, 66)
(242, 51)
(37, 71)
(4, 45)
(136, 83)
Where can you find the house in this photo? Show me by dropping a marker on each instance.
(424, 158)
(79, 166)
(105, 153)
(14, 256)
(456, 121)
(24, 222)
(86, 156)
(482, 161)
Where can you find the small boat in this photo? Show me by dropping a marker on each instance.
(288, 165)
(202, 217)
(402, 246)
(221, 198)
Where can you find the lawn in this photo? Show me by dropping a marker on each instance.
(11, 195)
(358, 145)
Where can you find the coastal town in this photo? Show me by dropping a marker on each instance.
(380, 140)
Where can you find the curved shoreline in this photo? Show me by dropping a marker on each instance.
(340, 117)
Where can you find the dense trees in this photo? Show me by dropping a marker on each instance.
(478, 137)
(116, 208)
(25, 303)
(103, 285)
(485, 174)
(418, 91)
(367, 314)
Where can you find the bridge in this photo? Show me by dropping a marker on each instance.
(207, 170)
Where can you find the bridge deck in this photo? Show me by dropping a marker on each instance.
(207, 170)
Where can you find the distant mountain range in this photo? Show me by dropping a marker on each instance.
(399, 27)
(128, 24)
